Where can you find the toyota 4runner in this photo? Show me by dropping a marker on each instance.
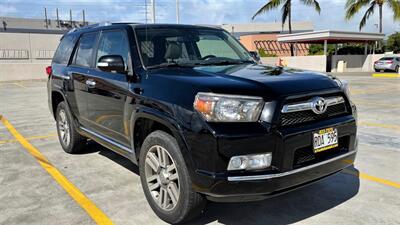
(199, 116)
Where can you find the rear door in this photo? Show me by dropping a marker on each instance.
(80, 70)
(108, 94)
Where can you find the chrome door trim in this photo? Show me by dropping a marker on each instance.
(107, 140)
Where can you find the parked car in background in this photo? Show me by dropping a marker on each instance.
(387, 64)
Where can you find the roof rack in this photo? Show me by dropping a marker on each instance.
(101, 24)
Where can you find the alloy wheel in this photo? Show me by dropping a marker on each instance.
(162, 177)
(64, 128)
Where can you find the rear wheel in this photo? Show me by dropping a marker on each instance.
(166, 181)
(71, 141)
(397, 69)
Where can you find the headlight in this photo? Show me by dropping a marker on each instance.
(250, 162)
(228, 108)
(344, 85)
(346, 88)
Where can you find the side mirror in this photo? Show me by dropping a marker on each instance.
(255, 56)
(111, 63)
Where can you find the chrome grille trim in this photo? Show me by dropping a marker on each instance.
(303, 106)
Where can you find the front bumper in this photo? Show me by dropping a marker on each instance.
(258, 187)
(285, 174)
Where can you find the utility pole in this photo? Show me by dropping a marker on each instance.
(153, 11)
(58, 18)
(45, 18)
(83, 17)
(70, 17)
(177, 11)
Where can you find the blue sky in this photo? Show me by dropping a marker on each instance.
(196, 12)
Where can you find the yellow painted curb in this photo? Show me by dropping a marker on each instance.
(387, 75)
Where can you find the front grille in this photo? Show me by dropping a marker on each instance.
(299, 117)
(306, 156)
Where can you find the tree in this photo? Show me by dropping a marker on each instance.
(286, 12)
(354, 6)
(393, 42)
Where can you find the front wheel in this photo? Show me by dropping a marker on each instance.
(166, 181)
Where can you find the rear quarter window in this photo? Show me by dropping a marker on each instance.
(64, 50)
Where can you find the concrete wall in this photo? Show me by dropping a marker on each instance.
(270, 60)
(23, 71)
(357, 63)
(24, 56)
(315, 62)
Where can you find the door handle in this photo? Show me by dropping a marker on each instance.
(91, 83)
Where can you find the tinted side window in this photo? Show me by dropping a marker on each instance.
(113, 43)
(64, 50)
(84, 53)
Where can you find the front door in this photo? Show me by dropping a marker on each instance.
(108, 92)
(80, 71)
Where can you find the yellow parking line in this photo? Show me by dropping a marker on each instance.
(372, 178)
(388, 126)
(19, 85)
(387, 75)
(28, 138)
(94, 212)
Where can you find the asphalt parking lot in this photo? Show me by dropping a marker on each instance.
(34, 171)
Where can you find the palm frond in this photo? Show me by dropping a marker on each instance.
(314, 3)
(367, 14)
(272, 4)
(353, 6)
(395, 6)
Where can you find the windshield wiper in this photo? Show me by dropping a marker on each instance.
(169, 64)
(223, 62)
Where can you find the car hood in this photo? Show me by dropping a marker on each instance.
(250, 79)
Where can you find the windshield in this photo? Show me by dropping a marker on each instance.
(161, 47)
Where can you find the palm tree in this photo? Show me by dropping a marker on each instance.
(286, 11)
(353, 6)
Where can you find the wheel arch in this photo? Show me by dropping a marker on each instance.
(56, 98)
(145, 122)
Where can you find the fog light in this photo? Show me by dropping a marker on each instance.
(250, 162)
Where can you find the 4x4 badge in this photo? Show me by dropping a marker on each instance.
(318, 105)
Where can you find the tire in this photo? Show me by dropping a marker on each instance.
(377, 70)
(71, 141)
(397, 69)
(181, 203)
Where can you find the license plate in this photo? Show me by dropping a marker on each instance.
(325, 139)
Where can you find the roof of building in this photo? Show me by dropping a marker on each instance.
(273, 27)
(331, 36)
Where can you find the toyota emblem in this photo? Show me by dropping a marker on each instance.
(318, 105)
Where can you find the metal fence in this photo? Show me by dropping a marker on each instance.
(273, 47)
(16, 54)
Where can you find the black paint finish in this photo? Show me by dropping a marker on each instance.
(113, 106)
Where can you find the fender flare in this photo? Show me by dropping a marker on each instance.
(167, 121)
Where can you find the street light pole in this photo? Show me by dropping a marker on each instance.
(177, 11)
(153, 11)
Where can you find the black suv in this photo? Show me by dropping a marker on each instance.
(202, 120)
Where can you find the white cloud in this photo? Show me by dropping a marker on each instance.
(6, 10)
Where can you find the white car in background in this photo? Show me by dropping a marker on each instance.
(387, 63)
